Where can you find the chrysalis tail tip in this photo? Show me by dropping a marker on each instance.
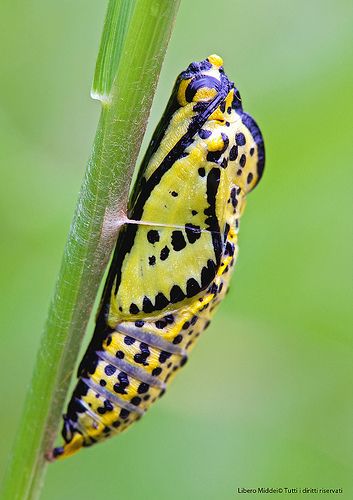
(51, 456)
(67, 449)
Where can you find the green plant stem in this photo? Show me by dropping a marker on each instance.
(103, 198)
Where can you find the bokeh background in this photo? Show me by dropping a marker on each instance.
(266, 399)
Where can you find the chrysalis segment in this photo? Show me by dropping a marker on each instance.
(173, 263)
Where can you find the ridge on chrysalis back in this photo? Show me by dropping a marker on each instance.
(172, 264)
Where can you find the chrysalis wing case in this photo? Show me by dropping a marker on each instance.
(169, 273)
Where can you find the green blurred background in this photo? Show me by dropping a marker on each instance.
(266, 399)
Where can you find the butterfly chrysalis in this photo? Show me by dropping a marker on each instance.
(172, 267)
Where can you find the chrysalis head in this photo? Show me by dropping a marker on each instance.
(202, 81)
